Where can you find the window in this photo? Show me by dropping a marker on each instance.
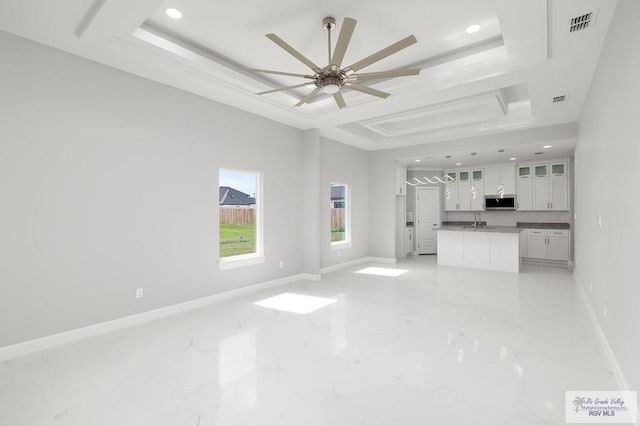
(340, 215)
(240, 218)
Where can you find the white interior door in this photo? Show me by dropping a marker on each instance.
(427, 219)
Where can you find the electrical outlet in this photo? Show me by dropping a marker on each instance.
(282, 264)
(605, 311)
(591, 287)
(139, 293)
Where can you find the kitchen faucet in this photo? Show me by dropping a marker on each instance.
(475, 222)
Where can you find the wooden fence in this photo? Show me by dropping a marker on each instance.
(248, 217)
(337, 219)
(235, 216)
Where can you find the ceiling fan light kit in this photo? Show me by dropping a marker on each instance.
(332, 78)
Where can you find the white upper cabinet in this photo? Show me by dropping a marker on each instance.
(491, 180)
(458, 195)
(559, 187)
(546, 188)
(508, 179)
(500, 177)
(477, 187)
(451, 192)
(541, 187)
(464, 188)
(524, 190)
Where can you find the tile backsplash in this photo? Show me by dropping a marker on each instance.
(497, 218)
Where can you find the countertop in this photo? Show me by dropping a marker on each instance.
(482, 228)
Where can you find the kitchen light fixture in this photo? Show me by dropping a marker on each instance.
(547, 146)
(458, 164)
(434, 179)
(473, 28)
(417, 161)
(513, 158)
(173, 13)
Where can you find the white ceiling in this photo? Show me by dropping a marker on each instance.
(498, 79)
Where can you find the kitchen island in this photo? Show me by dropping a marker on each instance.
(495, 248)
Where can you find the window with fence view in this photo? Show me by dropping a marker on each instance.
(339, 213)
(238, 198)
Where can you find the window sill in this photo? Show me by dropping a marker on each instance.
(341, 245)
(240, 261)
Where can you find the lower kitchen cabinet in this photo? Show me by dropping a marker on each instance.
(548, 244)
(408, 240)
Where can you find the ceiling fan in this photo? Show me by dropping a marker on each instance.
(332, 78)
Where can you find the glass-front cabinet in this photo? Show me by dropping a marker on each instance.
(524, 190)
(543, 186)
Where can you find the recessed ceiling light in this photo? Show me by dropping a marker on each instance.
(417, 161)
(513, 158)
(473, 28)
(547, 146)
(458, 164)
(173, 13)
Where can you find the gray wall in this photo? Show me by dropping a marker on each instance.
(108, 182)
(344, 164)
(606, 186)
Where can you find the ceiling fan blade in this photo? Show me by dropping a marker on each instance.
(339, 100)
(381, 54)
(368, 90)
(299, 56)
(284, 88)
(384, 74)
(278, 72)
(309, 96)
(348, 25)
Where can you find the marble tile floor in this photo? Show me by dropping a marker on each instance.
(433, 346)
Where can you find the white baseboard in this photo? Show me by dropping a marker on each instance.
(623, 385)
(46, 342)
(354, 262)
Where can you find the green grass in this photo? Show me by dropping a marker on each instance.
(337, 235)
(237, 239)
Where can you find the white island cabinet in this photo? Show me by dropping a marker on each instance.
(496, 249)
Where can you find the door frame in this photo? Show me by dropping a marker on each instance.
(416, 233)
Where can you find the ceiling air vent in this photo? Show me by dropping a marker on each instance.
(582, 22)
(559, 98)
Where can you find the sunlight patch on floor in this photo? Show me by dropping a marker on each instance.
(296, 303)
(384, 272)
